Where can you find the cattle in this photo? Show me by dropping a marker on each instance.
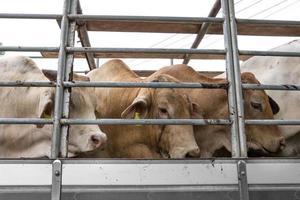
(144, 141)
(213, 102)
(281, 70)
(33, 141)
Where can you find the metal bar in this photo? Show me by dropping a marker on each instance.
(263, 22)
(147, 121)
(272, 122)
(56, 135)
(144, 84)
(29, 16)
(269, 53)
(237, 80)
(56, 180)
(243, 186)
(85, 42)
(232, 107)
(27, 84)
(25, 121)
(159, 19)
(242, 177)
(145, 50)
(204, 27)
(70, 38)
(271, 87)
(33, 49)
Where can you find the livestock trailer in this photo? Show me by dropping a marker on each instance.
(236, 178)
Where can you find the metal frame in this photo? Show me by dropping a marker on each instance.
(242, 176)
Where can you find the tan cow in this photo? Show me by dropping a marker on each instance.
(37, 102)
(147, 141)
(261, 139)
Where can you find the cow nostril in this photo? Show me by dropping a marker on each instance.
(194, 153)
(96, 139)
(282, 143)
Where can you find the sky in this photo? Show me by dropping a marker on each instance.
(47, 33)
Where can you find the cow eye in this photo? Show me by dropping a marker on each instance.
(257, 106)
(163, 110)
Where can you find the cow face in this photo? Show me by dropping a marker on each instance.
(261, 139)
(82, 138)
(174, 141)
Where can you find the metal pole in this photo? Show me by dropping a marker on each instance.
(59, 85)
(237, 79)
(68, 77)
(235, 148)
(59, 100)
(204, 28)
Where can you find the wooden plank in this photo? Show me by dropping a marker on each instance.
(145, 55)
(245, 27)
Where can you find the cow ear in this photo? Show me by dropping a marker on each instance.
(138, 109)
(45, 106)
(50, 74)
(197, 112)
(275, 107)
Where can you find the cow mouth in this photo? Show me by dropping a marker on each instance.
(257, 150)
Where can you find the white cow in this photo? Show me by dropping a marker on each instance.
(281, 70)
(37, 102)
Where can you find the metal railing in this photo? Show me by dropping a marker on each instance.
(66, 50)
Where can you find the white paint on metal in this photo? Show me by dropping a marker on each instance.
(149, 174)
(25, 174)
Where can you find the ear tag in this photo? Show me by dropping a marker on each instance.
(46, 116)
(137, 116)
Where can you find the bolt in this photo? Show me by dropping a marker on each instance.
(57, 173)
(243, 173)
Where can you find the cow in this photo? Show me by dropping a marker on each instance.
(34, 141)
(281, 70)
(213, 102)
(144, 141)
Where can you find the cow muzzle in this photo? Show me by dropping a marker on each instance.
(180, 152)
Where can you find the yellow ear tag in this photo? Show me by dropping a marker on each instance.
(137, 116)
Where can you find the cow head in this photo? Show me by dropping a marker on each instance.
(175, 141)
(82, 138)
(261, 139)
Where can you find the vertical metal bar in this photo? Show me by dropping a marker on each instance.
(56, 135)
(171, 61)
(202, 31)
(243, 183)
(235, 148)
(68, 77)
(237, 79)
(56, 180)
(235, 82)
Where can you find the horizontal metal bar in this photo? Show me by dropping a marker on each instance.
(268, 22)
(270, 53)
(272, 122)
(30, 16)
(146, 121)
(25, 121)
(271, 87)
(27, 84)
(145, 85)
(160, 19)
(33, 49)
(146, 50)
